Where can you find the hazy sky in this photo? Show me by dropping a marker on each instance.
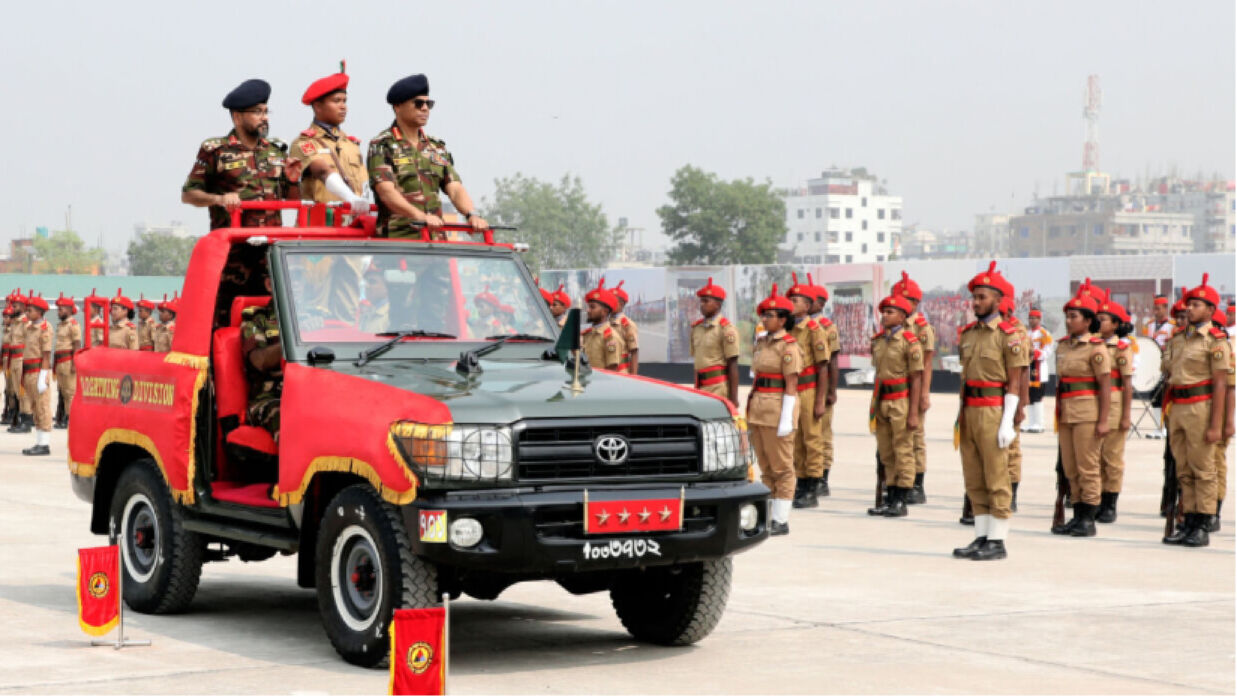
(963, 107)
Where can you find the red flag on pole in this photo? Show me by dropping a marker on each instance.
(418, 652)
(98, 596)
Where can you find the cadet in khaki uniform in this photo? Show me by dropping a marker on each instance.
(1222, 450)
(37, 373)
(559, 305)
(834, 339)
(715, 346)
(167, 330)
(1197, 385)
(992, 362)
(773, 405)
(1015, 448)
(10, 392)
(809, 457)
(923, 330)
(1114, 327)
(898, 358)
(145, 324)
(122, 334)
(68, 343)
(408, 169)
(1084, 373)
(603, 346)
(331, 159)
(1041, 342)
(629, 331)
(23, 420)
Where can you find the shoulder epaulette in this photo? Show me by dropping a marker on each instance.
(1096, 340)
(972, 324)
(308, 133)
(607, 332)
(826, 322)
(1122, 344)
(724, 322)
(788, 338)
(436, 141)
(921, 321)
(811, 324)
(1179, 330)
(910, 337)
(624, 321)
(354, 139)
(1218, 333)
(211, 143)
(247, 313)
(877, 335)
(1007, 327)
(697, 322)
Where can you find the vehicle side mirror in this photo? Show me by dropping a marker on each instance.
(320, 355)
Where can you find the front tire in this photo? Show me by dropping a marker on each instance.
(365, 570)
(162, 561)
(673, 605)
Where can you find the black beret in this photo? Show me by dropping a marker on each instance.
(248, 93)
(407, 88)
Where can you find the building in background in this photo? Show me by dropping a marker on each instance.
(632, 252)
(174, 229)
(843, 217)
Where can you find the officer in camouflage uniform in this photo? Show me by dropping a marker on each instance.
(244, 165)
(263, 354)
(408, 169)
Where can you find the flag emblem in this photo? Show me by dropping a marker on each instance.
(99, 585)
(420, 655)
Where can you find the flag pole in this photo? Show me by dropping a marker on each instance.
(446, 639)
(120, 641)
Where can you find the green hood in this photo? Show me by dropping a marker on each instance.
(510, 390)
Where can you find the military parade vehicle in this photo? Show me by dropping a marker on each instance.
(438, 434)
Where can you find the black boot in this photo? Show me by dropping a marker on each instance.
(1013, 501)
(967, 551)
(37, 450)
(776, 528)
(897, 502)
(1086, 521)
(1108, 507)
(805, 497)
(1213, 522)
(1067, 528)
(968, 515)
(63, 423)
(25, 424)
(822, 484)
(885, 501)
(1198, 536)
(992, 550)
(1182, 531)
(916, 494)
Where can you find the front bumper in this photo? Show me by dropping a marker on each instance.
(539, 531)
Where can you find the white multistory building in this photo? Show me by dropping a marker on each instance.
(845, 216)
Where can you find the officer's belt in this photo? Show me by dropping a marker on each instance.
(1118, 382)
(1187, 394)
(1081, 386)
(31, 365)
(807, 378)
(983, 393)
(625, 362)
(893, 388)
(62, 356)
(769, 382)
(712, 375)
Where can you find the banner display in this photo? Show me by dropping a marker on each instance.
(418, 643)
(98, 589)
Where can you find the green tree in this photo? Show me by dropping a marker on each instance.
(64, 252)
(719, 222)
(154, 254)
(561, 226)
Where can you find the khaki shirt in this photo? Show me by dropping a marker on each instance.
(18, 338)
(831, 332)
(1203, 350)
(775, 354)
(68, 335)
(338, 148)
(1083, 356)
(813, 345)
(1122, 358)
(1028, 346)
(123, 336)
(163, 336)
(631, 337)
(713, 342)
(896, 355)
(603, 346)
(38, 338)
(988, 349)
(1166, 354)
(146, 333)
(923, 331)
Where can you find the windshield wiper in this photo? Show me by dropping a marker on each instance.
(470, 360)
(368, 354)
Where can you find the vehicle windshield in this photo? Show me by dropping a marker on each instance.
(358, 297)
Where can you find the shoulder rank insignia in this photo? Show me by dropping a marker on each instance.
(788, 339)
(1217, 332)
(724, 322)
(354, 139)
(825, 322)
(697, 322)
(1123, 344)
(1096, 340)
(921, 321)
(1007, 327)
(308, 133)
(910, 337)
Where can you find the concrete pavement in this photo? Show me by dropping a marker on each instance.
(845, 604)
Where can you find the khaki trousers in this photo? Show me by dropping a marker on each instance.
(1015, 459)
(720, 389)
(1196, 458)
(1222, 469)
(809, 455)
(775, 456)
(40, 403)
(66, 381)
(895, 443)
(1080, 458)
(1112, 461)
(985, 466)
(921, 450)
(15, 377)
(826, 435)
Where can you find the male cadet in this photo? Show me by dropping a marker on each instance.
(167, 329)
(923, 331)
(1197, 385)
(10, 392)
(330, 158)
(23, 420)
(122, 334)
(36, 373)
(559, 305)
(898, 359)
(715, 346)
(145, 324)
(603, 346)
(408, 169)
(1041, 343)
(992, 362)
(629, 331)
(263, 355)
(68, 343)
(244, 165)
(1007, 308)
(809, 454)
(831, 397)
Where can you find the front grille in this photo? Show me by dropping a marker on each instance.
(565, 522)
(563, 448)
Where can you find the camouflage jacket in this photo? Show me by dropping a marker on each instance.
(259, 329)
(226, 166)
(420, 170)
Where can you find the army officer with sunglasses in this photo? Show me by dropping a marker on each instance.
(408, 169)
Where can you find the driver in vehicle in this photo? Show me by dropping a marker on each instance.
(376, 307)
(263, 355)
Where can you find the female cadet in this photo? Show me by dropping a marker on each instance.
(1083, 390)
(898, 358)
(1114, 328)
(772, 407)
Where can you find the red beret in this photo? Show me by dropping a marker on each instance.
(547, 296)
(711, 291)
(1035, 313)
(122, 300)
(991, 279)
(1161, 300)
(1112, 307)
(486, 296)
(908, 288)
(797, 288)
(1082, 302)
(1205, 293)
(560, 296)
(619, 292)
(774, 302)
(900, 302)
(325, 86)
(36, 301)
(601, 295)
(144, 303)
(822, 293)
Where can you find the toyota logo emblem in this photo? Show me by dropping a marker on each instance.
(611, 449)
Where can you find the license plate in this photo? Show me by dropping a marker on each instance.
(433, 526)
(618, 516)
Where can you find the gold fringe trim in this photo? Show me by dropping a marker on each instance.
(353, 466)
(187, 359)
(139, 440)
(191, 463)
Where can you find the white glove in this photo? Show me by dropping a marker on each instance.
(45, 377)
(786, 424)
(335, 184)
(1006, 433)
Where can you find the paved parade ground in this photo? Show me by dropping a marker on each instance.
(845, 604)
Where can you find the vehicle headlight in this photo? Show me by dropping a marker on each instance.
(725, 445)
(458, 453)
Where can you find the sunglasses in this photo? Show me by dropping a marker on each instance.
(423, 103)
